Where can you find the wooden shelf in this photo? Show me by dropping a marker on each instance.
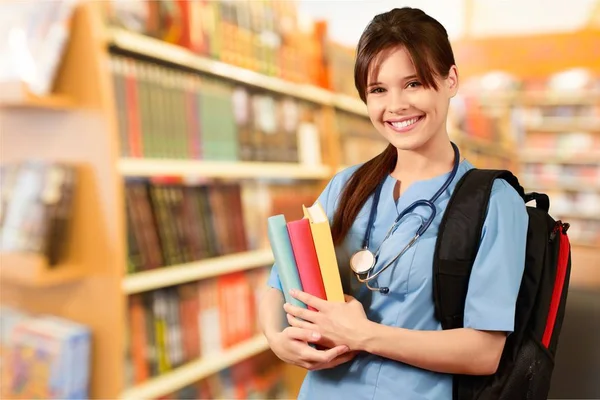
(559, 98)
(575, 215)
(550, 157)
(566, 124)
(177, 274)
(15, 95)
(220, 169)
(196, 370)
(573, 185)
(485, 146)
(32, 270)
(350, 104)
(157, 49)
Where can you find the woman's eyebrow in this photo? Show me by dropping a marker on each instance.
(406, 78)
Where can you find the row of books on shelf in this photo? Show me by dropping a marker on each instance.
(483, 159)
(173, 326)
(359, 140)
(583, 232)
(575, 204)
(536, 114)
(171, 222)
(586, 176)
(562, 144)
(258, 35)
(43, 356)
(578, 206)
(469, 114)
(259, 377)
(168, 113)
(35, 207)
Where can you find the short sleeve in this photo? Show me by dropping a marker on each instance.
(328, 199)
(499, 264)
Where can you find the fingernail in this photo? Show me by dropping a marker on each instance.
(292, 292)
(316, 335)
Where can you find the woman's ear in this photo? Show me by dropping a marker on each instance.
(452, 81)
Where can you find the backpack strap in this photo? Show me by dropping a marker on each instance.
(458, 241)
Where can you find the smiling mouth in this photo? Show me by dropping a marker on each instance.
(406, 125)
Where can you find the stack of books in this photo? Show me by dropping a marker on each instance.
(43, 356)
(305, 255)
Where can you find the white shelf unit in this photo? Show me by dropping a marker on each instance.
(551, 157)
(565, 124)
(560, 98)
(196, 370)
(148, 167)
(573, 185)
(157, 49)
(194, 271)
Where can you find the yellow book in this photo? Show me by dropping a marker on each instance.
(321, 233)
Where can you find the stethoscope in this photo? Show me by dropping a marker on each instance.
(363, 261)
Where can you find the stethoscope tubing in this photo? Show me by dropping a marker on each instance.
(422, 229)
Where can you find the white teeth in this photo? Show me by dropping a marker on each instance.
(404, 124)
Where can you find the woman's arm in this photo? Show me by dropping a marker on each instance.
(455, 351)
(270, 312)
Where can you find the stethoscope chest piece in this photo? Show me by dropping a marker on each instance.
(362, 262)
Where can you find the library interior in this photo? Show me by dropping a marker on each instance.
(151, 140)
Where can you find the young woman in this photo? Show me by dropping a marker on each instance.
(386, 343)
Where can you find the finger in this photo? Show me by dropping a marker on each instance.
(336, 351)
(348, 298)
(344, 358)
(312, 355)
(304, 335)
(298, 323)
(309, 299)
(299, 312)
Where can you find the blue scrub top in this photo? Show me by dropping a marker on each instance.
(491, 298)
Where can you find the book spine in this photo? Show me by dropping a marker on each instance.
(284, 258)
(306, 258)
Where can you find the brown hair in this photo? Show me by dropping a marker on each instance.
(426, 40)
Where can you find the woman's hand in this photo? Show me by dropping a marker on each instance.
(292, 346)
(337, 323)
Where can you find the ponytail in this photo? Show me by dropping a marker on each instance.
(358, 189)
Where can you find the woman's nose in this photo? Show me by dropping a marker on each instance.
(398, 102)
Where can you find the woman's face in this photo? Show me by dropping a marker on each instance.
(406, 113)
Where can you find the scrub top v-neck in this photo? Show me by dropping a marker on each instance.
(409, 304)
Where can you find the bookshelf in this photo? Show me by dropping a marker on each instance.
(560, 155)
(16, 95)
(135, 43)
(32, 270)
(196, 370)
(78, 123)
(177, 274)
(92, 286)
(216, 169)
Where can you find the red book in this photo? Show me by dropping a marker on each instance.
(306, 258)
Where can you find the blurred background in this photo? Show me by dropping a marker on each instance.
(144, 144)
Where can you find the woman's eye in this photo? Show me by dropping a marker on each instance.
(414, 84)
(376, 90)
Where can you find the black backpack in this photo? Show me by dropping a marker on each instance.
(527, 361)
